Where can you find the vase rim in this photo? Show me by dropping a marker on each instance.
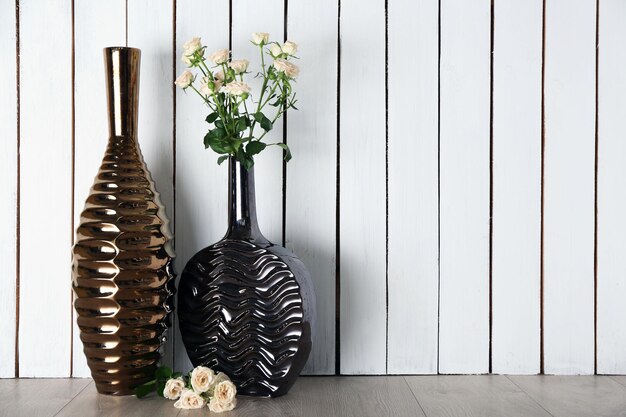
(121, 48)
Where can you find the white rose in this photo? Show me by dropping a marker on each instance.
(202, 379)
(189, 400)
(184, 80)
(260, 38)
(275, 50)
(217, 407)
(191, 46)
(225, 392)
(290, 48)
(220, 377)
(239, 65)
(205, 87)
(236, 88)
(291, 70)
(219, 75)
(220, 56)
(173, 388)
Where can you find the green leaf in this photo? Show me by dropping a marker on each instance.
(212, 117)
(219, 123)
(288, 155)
(217, 140)
(266, 124)
(209, 138)
(145, 389)
(255, 147)
(177, 374)
(241, 125)
(160, 387)
(248, 163)
(219, 147)
(220, 160)
(258, 116)
(163, 372)
(217, 133)
(240, 155)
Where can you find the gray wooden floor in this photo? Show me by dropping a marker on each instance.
(396, 396)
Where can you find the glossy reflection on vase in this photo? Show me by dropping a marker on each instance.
(122, 260)
(246, 307)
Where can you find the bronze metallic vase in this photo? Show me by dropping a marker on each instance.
(122, 260)
(246, 306)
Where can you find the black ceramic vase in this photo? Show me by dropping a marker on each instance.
(246, 306)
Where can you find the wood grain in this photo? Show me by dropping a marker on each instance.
(201, 193)
(581, 396)
(45, 189)
(357, 396)
(310, 215)
(569, 160)
(96, 26)
(487, 396)
(310, 397)
(38, 397)
(516, 186)
(91, 404)
(413, 210)
(619, 378)
(464, 187)
(8, 188)
(611, 238)
(156, 118)
(362, 189)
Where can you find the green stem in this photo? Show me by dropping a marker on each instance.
(219, 109)
(208, 72)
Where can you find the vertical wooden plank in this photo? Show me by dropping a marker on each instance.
(311, 175)
(611, 189)
(201, 192)
(96, 26)
(413, 186)
(268, 16)
(8, 188)
(568, 216)
(45, 188)
(464, 186)
(516, 186)
(150, 28)
(362, 188)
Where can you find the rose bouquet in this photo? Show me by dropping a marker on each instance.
(200, 387)
(237, 122)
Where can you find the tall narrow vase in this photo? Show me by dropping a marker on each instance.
(246, 306)
(122, 263)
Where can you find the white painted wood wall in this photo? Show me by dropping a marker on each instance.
(458, 189)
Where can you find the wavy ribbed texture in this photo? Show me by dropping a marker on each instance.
(242, 311)
(122, 272)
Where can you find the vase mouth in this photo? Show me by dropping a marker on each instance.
(121, 69)
(121, 48)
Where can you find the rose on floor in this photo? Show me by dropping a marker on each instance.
(200, 387)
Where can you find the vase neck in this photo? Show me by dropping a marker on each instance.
(121, 68)
(242, 221)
